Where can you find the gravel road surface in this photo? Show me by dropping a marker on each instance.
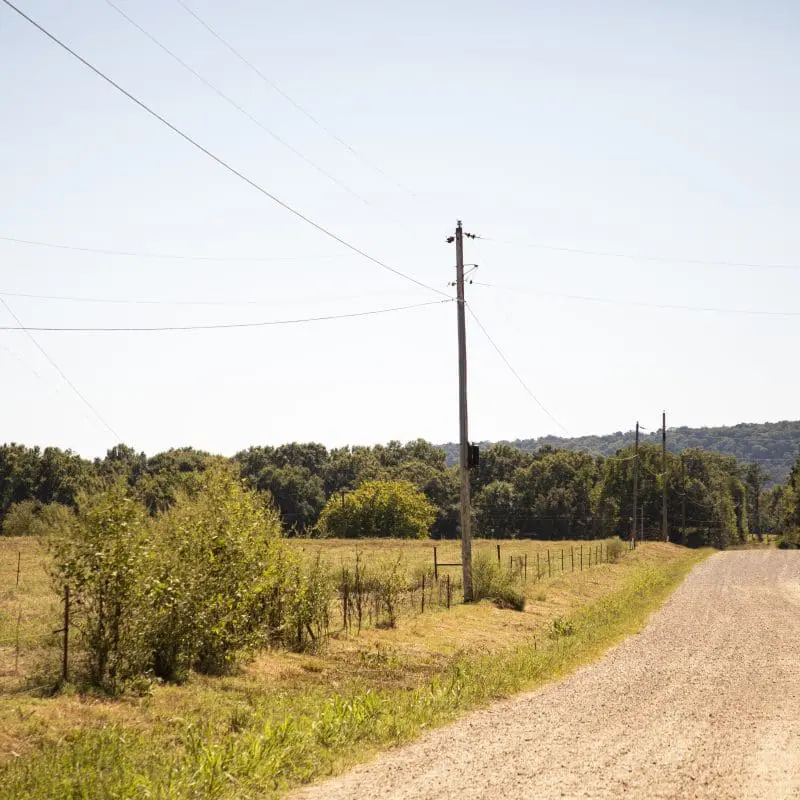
(703, 703)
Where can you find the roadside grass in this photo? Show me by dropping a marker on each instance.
(287, 719)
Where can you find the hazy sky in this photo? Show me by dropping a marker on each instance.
(660, 129)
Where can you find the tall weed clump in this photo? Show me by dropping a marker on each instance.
(615, 549)
(491, 582)
(375, 591)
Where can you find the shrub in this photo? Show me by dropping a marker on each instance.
(390, 581)
(223, 580)
(615, 549)
(790, 540)
(209, 580)
(32, 518)
(491, 582)
(101, 554)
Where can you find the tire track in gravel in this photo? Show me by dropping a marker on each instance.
(703, 703)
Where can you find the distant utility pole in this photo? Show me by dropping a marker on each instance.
(464, 448)
(635, 483)
(664, 528)
(683, 499)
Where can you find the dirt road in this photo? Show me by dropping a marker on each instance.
(704, 703)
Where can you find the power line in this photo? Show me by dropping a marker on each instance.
(58, 369)
(167, 302)
(236, 105)
(513, 371)
(642, 304)
(220, 326)
(291, 100)
(165, 256)
(632, 257)
(217, 158)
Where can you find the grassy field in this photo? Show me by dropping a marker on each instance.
(286, 719)
(418, 554)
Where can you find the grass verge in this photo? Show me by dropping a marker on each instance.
(294, 720)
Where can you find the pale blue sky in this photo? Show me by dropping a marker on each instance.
(665, 129)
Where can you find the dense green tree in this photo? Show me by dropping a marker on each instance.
(19, 475)
(497, 511)
(298, 495)
(394, 509)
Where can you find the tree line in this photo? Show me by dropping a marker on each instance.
(774, 444)
(408, 489)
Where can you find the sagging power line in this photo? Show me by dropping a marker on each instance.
(513, 371)
(218, 326)
(187, 138)
(632, 257)
(167, 256)
(271, 83)
(238, 107)
(82, 397)
(642, 304)
(186, 303)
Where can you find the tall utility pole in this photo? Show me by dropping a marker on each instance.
(635, 483)
(683, 499)
(664, 528)
(463, 459)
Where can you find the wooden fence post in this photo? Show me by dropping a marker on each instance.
(65, 658)
(498, 555)
(448, 591)
(562, 559)
(423, 594)
(572, 557)
(525, 567)
(435, 565)
(537, 566)
(16, 651)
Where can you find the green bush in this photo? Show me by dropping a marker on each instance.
(491, 582)
(32, 518)
(225, 582)
(101, 555)
(790, 540)
(208, 581)
(615, 549)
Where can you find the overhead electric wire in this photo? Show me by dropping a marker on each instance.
(290, 99)
(58, 369)
(167, 302)
(217, 326)
(633, 257)
(643, 304)
(217, 158)
(236, 105)
(165, 256)
(513, 371)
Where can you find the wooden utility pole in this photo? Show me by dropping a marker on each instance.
(683, 499)
(758, 508)
(664, 528)
(466, 532)
(635, 483)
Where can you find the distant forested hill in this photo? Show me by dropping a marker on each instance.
(775, 445)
